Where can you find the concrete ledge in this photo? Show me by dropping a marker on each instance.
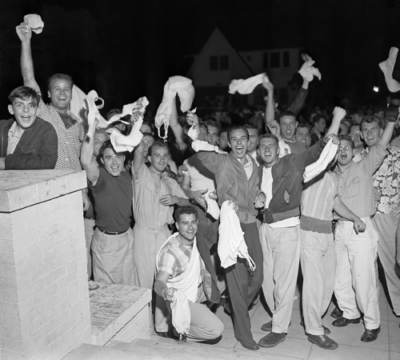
(119, 312)
(23, 188)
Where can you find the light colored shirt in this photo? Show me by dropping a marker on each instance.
(69, 140)
(148, 188)
(355, 183)
(14, 135)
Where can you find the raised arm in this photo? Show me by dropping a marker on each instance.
(300, 99)
(24, 32)
(87, 160)
(338, 116)
(391, 115)
(176, 127)
(138, 158)
(270, 106)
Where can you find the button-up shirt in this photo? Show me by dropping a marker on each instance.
(14, 135)
(355, 183)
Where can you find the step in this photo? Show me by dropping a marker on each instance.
(119, 312)
(171, 349)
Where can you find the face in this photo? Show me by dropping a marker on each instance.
(345, 152)
(343, 129)
(145, 129)
(113, 163)
(252, 140)
(238, 142)
(288, 126)
(223, 140)
(98, 141)
(147, 142)
(159, 158)
(355, 134)
(371, 133)
(60, 93)
(218, 116)
(212, 135)
(268, 150)
(303, 135)
(321, 125)
(187, 226)
(24, 112)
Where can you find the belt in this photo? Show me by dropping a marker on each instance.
(112, 233)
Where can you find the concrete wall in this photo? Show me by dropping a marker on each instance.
(44, 297)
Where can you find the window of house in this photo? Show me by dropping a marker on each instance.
(213, 63)
(224, 62)
(265, 60)
(275, 60)
(286, 59)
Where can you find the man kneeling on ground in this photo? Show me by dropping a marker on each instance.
(181, 274)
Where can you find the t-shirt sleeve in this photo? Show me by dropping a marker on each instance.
(167, 263)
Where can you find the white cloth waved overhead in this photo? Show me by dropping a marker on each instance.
(122, 143)
(320, 165)
(308, 71)
(187, 284)
(175, 85)
(231, 242)
(387, 67)
(77, 105)
(138, 108)
(35, 22)
(89, 104)
(246, 86)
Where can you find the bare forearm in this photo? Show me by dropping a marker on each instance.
(87, 148)
(270, 109)
(159, 286)
(174, 124)
(343, 211)
(387, 134)
(27, 69)
(182, 201)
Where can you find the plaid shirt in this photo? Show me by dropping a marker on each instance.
(69, 140)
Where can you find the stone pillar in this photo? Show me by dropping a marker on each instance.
(44, 297)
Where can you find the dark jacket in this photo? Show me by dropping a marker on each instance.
(37, 148)
(287, 186)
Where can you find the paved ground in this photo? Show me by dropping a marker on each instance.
(296, 346)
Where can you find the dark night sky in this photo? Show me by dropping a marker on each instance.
(127, 48)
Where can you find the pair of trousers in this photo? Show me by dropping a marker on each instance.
(112, 258)
(356, 282)
(386, 226)
(89, 231)
(281, 249)
(146, 245)
(243, 284)
(318, 264)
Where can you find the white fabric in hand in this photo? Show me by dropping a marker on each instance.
(93, 110)
(180, 312)
(175, 85)
(308, 71)
(212, 206)
(35, 22)
(387, 67)
(122, 143)
(246, 86)
(231, 242)
(77, 104)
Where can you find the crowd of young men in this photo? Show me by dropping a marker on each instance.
(285, 222)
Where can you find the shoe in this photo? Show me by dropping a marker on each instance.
(272, 339)
(370, 335)
(341, 322)
(170, 334)
(337, 313)
(268, 326)
(327, 331)
(323, 341)
(249, 345)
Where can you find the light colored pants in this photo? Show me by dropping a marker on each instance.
(112, 258)
(146, 245)
(318, 263)
(356, 283)
(386, 226)
(89, 231)
(281, 250)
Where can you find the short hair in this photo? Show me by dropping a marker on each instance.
(145, 122)
(158, 143)
(113, 112)
(251, 126)
(286, 113)
(268, 136)
(236, 127)
(107, 145)
(317, 118)
(368, 119)
(187, 210)
(347, 138)
(61, 77)
(213, 123)
(304, 125)
(24, 93)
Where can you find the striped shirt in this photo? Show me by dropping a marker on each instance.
(317, 203)
(69, 140)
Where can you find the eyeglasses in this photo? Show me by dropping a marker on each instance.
(345, 147)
